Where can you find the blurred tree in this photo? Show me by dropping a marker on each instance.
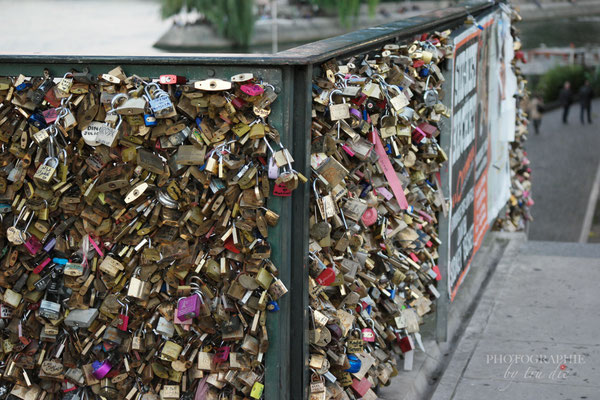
(346, 8)
(552, 81)
(594, 77)
(234, 19)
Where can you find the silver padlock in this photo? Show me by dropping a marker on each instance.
(430, 97)
(81, 318)
(49, 309)
(165, 327)
(159, 101)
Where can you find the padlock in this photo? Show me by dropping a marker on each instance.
(171, 351)
(65, 84)
(188, 307)
(317, 387)
(355, 364)
(87, 227)
(356, 343)
(165, 328)
(112, 335)
(222, 354)
(37, 95)
(159, 101)
(50, 305)
(102, 368)
(46, 171)
(132, 106)
(368, 334)
(138, 342)
(361, 386)
(81, 318)
(123, 317)
(137, 288)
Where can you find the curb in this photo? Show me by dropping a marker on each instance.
(465, 345)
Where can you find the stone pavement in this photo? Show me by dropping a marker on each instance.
(534, 333)
(564, 160)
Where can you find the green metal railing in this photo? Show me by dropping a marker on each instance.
(291, 73)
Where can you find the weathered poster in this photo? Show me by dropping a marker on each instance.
(469, 148)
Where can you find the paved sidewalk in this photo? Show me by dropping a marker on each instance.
(534, 334)
(564, 160)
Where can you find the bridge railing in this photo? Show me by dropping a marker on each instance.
(291, 73)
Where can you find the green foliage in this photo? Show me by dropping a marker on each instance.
(594, 77)
(233, 19)
(552, 81)
(346, 8)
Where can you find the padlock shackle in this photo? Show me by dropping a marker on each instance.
(336, 91)
(116, 101)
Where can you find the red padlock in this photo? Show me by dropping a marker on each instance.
(418, 135)
(406, 344)
(326, 277)
(172, 80)
(428, 129)
(123, 317)
(361, 387)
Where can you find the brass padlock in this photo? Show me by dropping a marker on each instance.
(46, 171)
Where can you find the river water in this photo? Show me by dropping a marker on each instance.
(581, 31)
(131, 27)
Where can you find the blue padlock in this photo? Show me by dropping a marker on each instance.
(150, 120)
(22, 86)
(355, 363)
(38, 121)
(272, 306)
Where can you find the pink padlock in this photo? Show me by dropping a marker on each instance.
(50, 115)
(101, 369)
(188, 307)
(222, 354)
(280, 190)
(369, 217)
(348, 150)
(33, 245)
(186, 324)
(252, 89)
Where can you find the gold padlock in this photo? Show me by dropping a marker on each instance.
(264, 278)
(46, 171)
(170, 351)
